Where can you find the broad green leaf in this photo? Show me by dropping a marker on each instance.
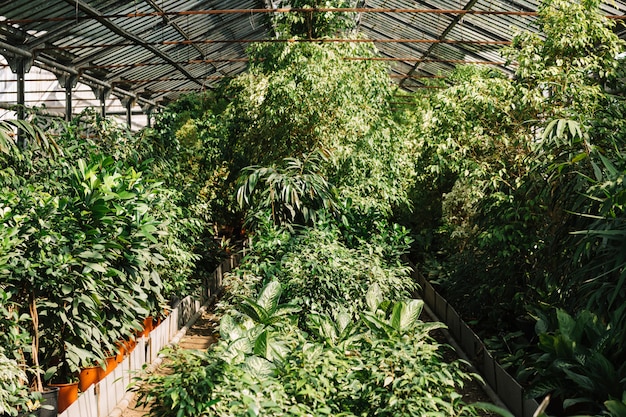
(616, 408)
(377, 326)
(579, 157)
(94, 266)
(260, 345)
(411, 311)
(374, 297)
(287, 309)
(250, 308)
(566, 323)
(259, 367)
(344, 319)
(270, 295)
(238, 348)
(229, 329)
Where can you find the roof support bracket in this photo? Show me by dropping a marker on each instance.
(148, 109)
(128, 103)
(102, 93)
(18, 64)
(67, 80)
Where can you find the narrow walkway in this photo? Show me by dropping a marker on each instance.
(203, 333)
(200, 336)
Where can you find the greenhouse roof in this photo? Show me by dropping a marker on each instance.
(156, 50)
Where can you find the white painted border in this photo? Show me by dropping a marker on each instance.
(108, 398)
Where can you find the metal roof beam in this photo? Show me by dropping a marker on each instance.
(58, 68)
(175, 25)
(444, 34)
(296, 10)
(60, 30)
(104, 52)
(121, 32)
(178, 29)
(304, 40)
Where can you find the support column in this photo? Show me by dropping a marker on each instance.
(103, 103)
(68, 82)
(21, 102)
(147, 109)
(21, 90)
(20, 66)
(102, 94)
(128, 103)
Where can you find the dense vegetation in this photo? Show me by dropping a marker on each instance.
(92, 243)
(528, 225)
(319, 319)
(507, 192)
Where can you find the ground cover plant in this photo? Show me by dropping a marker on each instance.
(276, 356)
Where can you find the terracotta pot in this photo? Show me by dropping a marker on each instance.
(121, 352)
(68, 393)
(129, 345)
(148, 325)
(88, 377)
(110, 365)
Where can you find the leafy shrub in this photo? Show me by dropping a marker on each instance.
(289, 373)
(293, 192)
(15, 395)
(191, 373)
(322, 274)
(582, 363)
(92, 242)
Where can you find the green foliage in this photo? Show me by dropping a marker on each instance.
(402, 374)
(520, 188)
(314, 24)
(335, 330)
(266, 309)
(14, 336)
(398, 321)
(582, 363)
(616, 408)
(15, 394)
(13, 389)
(31, 132)
(600, 251)
(92, 242)
(297, 98)
(563, 73)
(192, 372)
(329, 359)
(293, 194)
(505, 156)
(321, 273)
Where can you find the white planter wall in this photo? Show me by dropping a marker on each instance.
(501, 382)
(101, 398)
